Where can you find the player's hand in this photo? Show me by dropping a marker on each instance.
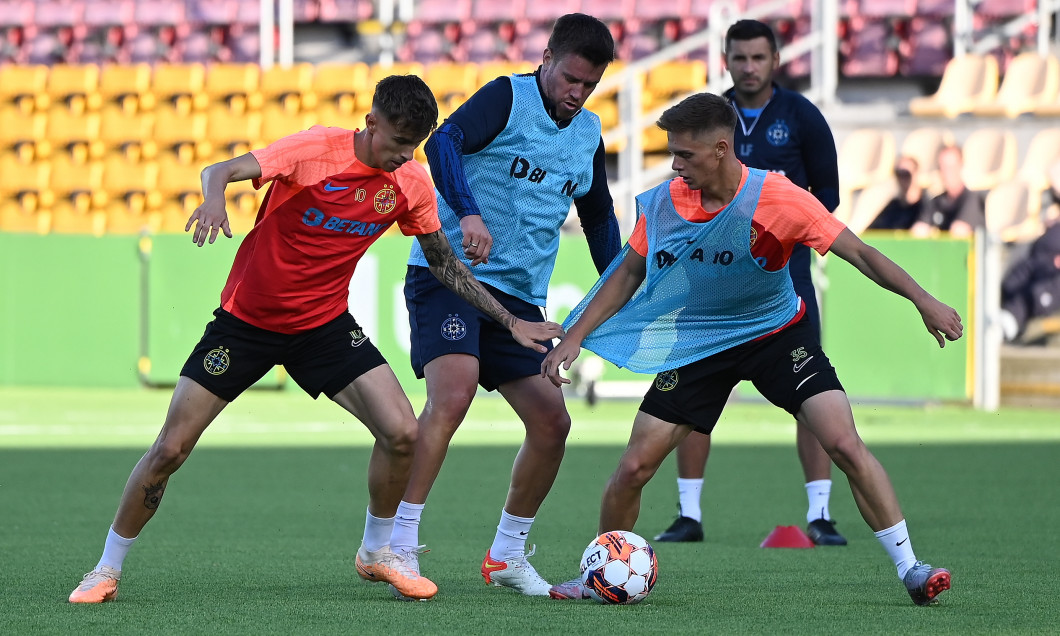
(529, 334)
(942, 321)
(477, 240)
(565, 353)
(212, 217)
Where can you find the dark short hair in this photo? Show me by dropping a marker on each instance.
(582, 35)
(744, 30)
(407, 103)
(699, 113)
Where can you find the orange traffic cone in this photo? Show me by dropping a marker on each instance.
(787, 537)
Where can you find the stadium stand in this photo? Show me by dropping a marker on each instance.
(967, 82)
(1030, 80)
(990, 158)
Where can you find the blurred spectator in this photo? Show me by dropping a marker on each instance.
(957, 210)
(908, 205)
(1031, 288)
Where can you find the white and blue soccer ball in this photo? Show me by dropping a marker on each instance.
(619, 568)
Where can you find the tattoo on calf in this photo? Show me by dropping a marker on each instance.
(153, 495)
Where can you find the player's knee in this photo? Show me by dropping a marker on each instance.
(449, 409)
(167, 455)
(633, 473)
(401, 439)
(845, 450)
(551, 428)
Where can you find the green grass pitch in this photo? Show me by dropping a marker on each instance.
(258, 530)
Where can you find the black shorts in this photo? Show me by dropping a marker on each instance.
(234, 354)
(442, 323)
(787, 368)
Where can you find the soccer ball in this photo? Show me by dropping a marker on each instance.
(619, 568)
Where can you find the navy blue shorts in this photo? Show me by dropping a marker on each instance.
(234, 354)
(787, 368)
(442, 323)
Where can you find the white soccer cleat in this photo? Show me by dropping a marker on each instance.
(412, 559)
(516, 573)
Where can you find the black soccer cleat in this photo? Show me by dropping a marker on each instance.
(682, 530)
(823, 532)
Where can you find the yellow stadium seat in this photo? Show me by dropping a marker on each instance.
(276, 122)
(1043, 152)
(1007, 212)
(332, 115)
(15, 218)
(73, 84)
(21, 85)
(377, 72)
(235, 85)
(18, 126)
(77, 132)
(337, 86)
(185, 132)
(288, 86)
(78, 183)
(232, 131)
(133, 183)
(967, 82)
(866, 156)
(179, 182)
(489, 71)
(179, 86)
(675, 79)
(451, 82)
(23, 182)
(989, 158)
(119, 129)
(68, 218)
(869, 203)
(1030, 80)
(124, 84)
(923, 145)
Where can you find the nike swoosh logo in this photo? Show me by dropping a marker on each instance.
(494, 566)
(334, 188)
(798, 367)
(805, 381)
(902, 541)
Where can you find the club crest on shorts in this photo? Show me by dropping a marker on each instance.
(358, 337)
(453, 328)
(385, 199)
(216, 361)
(666, 381)
(798, 354)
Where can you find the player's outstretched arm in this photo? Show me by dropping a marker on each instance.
(612, 296)
(211, 215)
(942, 321)
(457, 277)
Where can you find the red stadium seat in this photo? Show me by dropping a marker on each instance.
(546, 11)
(609, 10)
(108, 12)
(159, 12)
(16, 13)
(439, 11)
(489, 11)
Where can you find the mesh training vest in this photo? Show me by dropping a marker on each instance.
(703, 291)
(524, 182)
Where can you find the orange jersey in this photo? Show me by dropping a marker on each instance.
(322, 211)
(786, 215)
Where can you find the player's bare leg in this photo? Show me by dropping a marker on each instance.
(540, 406)
(191, 410)
(817, 469)
(377, 400)
(650, 441)
(692, 455)
(828, 415)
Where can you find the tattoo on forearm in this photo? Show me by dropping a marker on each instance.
(153, 495)
(457, 277)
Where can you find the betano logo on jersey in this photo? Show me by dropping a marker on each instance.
(314, 217)
(385, 199)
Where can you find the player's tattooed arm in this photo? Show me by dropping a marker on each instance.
(452, 272)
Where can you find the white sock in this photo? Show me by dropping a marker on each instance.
(510, 541)
(114, 550)
(376, 532)
(896, 541)
(688, 493)
(406, 535)
(818, 492)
